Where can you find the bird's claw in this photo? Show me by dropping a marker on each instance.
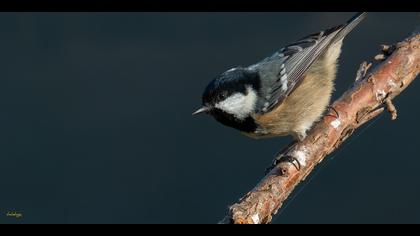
(279, 159)
(337, 115)
(294, 161)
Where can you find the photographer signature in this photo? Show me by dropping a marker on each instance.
(14, 214)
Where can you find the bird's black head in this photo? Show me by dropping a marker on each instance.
(231, 98)
(235, 80)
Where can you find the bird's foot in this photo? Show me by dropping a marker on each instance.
(284, 158)
(336, 115)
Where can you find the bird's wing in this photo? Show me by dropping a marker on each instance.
(282, 72)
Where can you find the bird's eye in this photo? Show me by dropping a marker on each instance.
(223, 95)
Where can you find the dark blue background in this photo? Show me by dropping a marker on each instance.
(96, 126)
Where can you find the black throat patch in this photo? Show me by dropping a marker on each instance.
(247, 125)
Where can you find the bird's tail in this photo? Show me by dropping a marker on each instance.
(349, 26)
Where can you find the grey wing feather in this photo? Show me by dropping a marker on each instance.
(282, 72)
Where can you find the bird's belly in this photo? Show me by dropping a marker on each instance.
(260, 134)
(298, 112)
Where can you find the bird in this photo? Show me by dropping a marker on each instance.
(283, 94)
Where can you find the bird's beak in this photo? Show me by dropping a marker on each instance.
(201, 110)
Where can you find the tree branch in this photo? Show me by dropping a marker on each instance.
(364, 101)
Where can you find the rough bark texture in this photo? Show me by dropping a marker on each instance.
(370, 95)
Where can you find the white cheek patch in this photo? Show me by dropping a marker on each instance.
(238, 104)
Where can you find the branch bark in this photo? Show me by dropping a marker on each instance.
(369, 97)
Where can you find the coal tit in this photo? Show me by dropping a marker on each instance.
(284, 94)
